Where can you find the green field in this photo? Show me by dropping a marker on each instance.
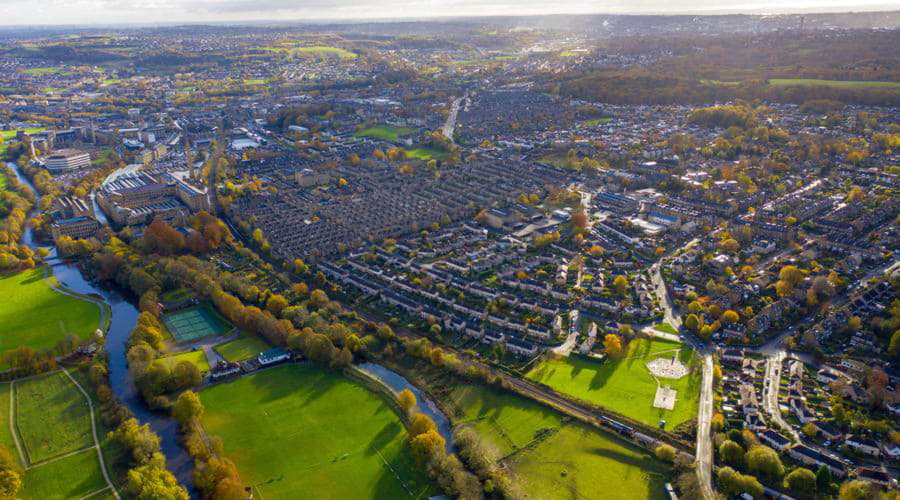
(423, 153)
(255, 81)
(596, 121)
(176, 295)
(3, 181)
(843, 84)
(49, 70)
(242, 348)
(302, 431)
(6, 439)
(34, 315)
(198, 358)
(625, 386)
(319, 51)
(575, 461)
(52, 417)
(72, 477)
(6, 135)
(665, 328)
(385, 132)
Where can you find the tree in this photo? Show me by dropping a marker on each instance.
(823, 479)
(731, 453)
(10, 483)
(859, 490)
(163, 239)
(801, 482)
(427, 445)
(764, 462)
(318, 299)
(153, 482)
(186, 374)
(407, 400)
(613, 344)
(692, 322)
(666, 453)
(187, 407)
(894, 346)
(420, 424)
(620, 284)
(854, 323)
(730, 316)
(791, 274)
(276, 304)
(810, 430)
(733, 483)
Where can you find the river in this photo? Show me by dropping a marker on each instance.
(124, 317)
(425, 405)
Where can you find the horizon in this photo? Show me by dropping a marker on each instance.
(238, 12)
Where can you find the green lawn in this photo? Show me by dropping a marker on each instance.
(240, 349)
(176, 295)
(423, 153)
(596, 121)
(3, 181)
(6, 135)
(302, 431)
(70, 477)
(665, 328)
(52, 416)
(576, 461)
(197, 357)
(385, 132)
(844, 84)
(255, 81)
(49, 70)
(6, 439)
(314, 51)
(34, 315)
(625, 386)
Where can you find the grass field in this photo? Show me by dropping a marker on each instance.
(176, 295)
(3, 181)
(49, 70)
(6, 439)
(52, 416)
(318, 51)
(625, 386)
(665, 328)
(575, 461)
(6, 135)
(194, 323)
(843, 84)
(70, 477)
(196, 357)
(299, 430)
(423, 153)
(385, 132)
(596, 121)
(242, 348)
(34, 315)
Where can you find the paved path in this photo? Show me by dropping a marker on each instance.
(94, 432)
(771, 389)
(566, 347)
(704, 442)
(450, 124)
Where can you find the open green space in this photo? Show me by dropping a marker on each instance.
(625, 385)
(176, 295)
(319, 51)
(72, 477)
(844, 84)
(423, 153)
(3, 181)
(35, 315)
(52, 416)
(242, 348)
(596, 121)
(6, 135)
(302, 431)
(49, 70)
(198, 358)
(573, 460)
(6, 438)
(194, 323)
(665, 328)
(385, 132)
(255, 81)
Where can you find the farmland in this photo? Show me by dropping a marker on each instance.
(625, 385)
(290, 429)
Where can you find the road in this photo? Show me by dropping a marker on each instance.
(450, 124)
(704, 460)
(771, 387)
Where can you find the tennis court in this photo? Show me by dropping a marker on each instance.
(194, 323)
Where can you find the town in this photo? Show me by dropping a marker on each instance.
(515, 257)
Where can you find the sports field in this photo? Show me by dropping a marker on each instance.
(625, 385)
(843, 84)
(426, 154)
(34, 315)
(242, 348)
(194, 323)
(574, 461)
(385, 132)
(53, 422)
(302, 431)
(52, 417)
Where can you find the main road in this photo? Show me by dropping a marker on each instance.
(450, 124)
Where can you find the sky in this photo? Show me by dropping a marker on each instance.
(44, 12)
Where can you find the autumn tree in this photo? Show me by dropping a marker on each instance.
(620, 284)
(613, 344)
(407, 400)
(187, 407)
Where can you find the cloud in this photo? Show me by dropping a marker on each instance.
(13, 12)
